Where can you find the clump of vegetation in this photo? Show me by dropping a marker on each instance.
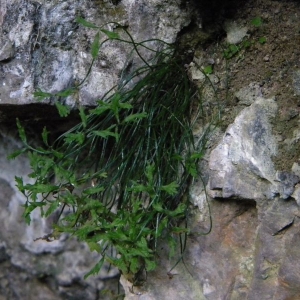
(257, 22)
(231, 50)
(119, 176)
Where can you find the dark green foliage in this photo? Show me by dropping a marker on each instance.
(262, 40)
(118, 177)
(257, 22)
(231, 50)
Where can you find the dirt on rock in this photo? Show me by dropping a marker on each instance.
(267, 55)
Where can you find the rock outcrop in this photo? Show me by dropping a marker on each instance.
(42, 46)
(255, 220)
(244, 217)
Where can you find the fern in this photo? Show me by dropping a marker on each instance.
(125, 167)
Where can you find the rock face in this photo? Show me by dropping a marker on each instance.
(243, 159)
(33, 268)
(42, 45)
(248, 251)
(244, 219)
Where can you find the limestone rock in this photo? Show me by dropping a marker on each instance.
(42, 45)
(249, 94)
(296, 82)
(7, 50)
(248, 249)
(33, 263)
(241, 165)
(235, 32)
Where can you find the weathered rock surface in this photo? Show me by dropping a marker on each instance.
(252, 249)
(42, 45)
(243, 159)
(40, 269)
(248, 252)
(235, 32)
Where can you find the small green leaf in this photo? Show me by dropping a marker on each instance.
(135, 117)
(134, 265)
(45, 136)
(96, 269)
(41, 188)
(149, 172)
(102, 107)
(95, 247)
(231, 51)
(171, 188)
(20, 184)
(30, 208)
(40, 95)
(257, 22)
(53, 206)
(246, 44)
(86, 23)
(191, 169)
(196, 155)
(75, 137)
(158, 207)
(16, 153)
(65, 93)
(95, 46)
(110, 34)
(100, 175)
(179, 211)
(83, 117)
(138, 188)
(115, 101)
(57, 154)
(150, 265)
(22, 133)
(208, 70)
(177, 157)
(180, 230)
(234, 48)
(93, 190)
(26, 215)
(106, 133)
(63, 110)
(125, 105)
(262, 40)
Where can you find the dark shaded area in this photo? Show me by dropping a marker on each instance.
(34, 117)
(206, 24)
(217, 10)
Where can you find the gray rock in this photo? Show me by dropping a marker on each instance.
(241, 165)
(249, 94)
(251, 251)
(235, 32)
(288, 181)
(26, 260)
(296, 194)
(44, 47)
(296, 82)
(3, 255)
(7, 51)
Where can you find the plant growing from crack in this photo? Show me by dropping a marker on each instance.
(119, 176)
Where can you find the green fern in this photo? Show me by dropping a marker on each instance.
(123, 170)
